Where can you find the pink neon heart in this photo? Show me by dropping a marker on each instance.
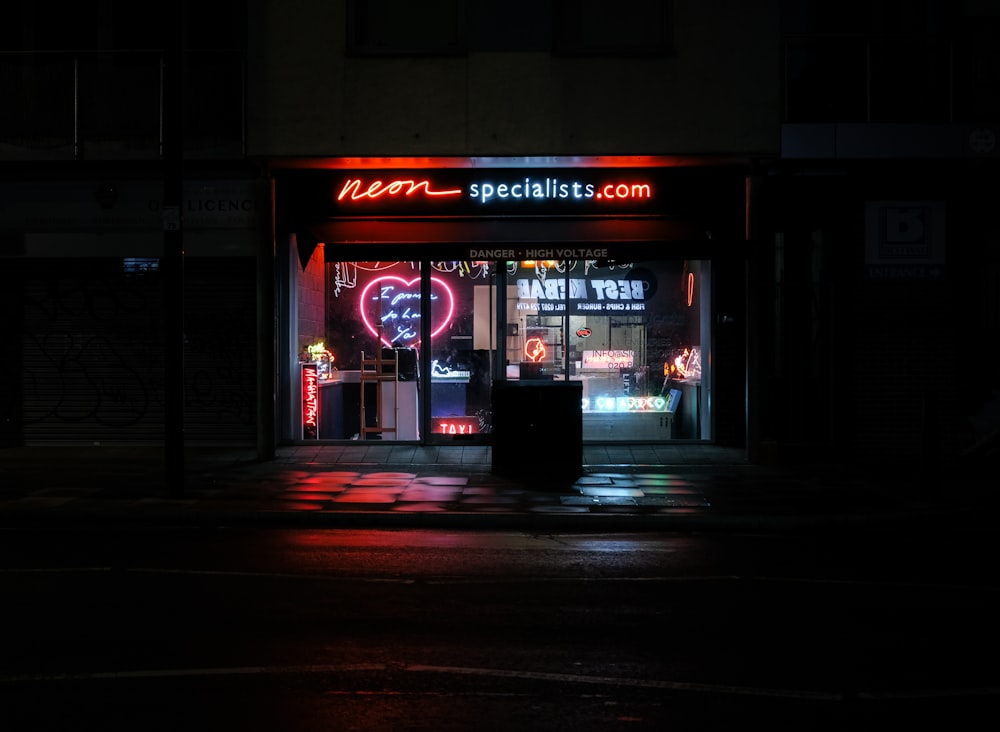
(395, 303)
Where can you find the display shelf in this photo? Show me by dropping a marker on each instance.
(377, 371)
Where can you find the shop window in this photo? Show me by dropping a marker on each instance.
(634, 333)
(414, 325)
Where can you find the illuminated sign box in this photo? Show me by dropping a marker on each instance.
(455, 425)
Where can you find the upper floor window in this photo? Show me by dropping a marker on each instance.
(404, 27)
(120, 25)
(562, 27)
(612, 27)
(890, 61)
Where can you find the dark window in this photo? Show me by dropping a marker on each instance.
(121, 25)
(826, 79)
(510, 26)
(405, 27)
(890, 61)
(612, 27)
(909, 80)
(977, 70)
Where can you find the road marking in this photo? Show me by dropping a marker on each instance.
(423, 668)
(678, 686)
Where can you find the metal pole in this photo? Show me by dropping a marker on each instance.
(173, 253)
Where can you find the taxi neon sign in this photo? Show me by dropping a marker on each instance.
(455, 425)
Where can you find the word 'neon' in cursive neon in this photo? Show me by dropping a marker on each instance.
(378, 189)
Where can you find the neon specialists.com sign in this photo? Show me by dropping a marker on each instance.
(471, 191)
(490, 192)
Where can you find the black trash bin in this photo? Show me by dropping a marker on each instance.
(538, 432)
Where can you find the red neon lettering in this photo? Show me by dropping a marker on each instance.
(378, 189)
(454, 425)
(310, 401)
(626, 190)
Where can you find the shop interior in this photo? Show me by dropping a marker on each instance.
(409, 350)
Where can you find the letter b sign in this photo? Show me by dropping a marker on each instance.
(904, 225)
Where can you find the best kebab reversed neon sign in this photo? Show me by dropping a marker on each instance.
(484, 192)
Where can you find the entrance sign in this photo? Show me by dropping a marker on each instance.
(905, 240)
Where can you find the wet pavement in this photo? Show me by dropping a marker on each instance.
(670, 487)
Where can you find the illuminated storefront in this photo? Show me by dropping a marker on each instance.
(435, 283)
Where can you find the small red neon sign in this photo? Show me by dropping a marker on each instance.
(455, 425)
(534, 350)
(380, 189)
(310, 401)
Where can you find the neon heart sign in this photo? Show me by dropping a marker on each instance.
(394, 304)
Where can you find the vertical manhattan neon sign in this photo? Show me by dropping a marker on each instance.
(310, 401)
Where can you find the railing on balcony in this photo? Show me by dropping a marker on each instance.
(109, 105)
(864, 79)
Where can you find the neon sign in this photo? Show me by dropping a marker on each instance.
(380, 189)
(572, 187)
(628, 404)
(534, 350)
(310, 401)
(484, 190)
(397, 309)
(455, 425)
(608, 359)
(554, 188)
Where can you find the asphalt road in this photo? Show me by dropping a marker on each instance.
(277, 629)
